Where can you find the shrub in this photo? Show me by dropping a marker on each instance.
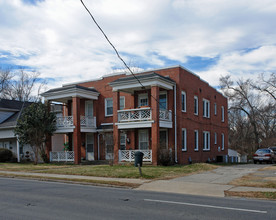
(5, 155)
(165, 157)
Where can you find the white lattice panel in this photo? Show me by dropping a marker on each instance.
(62, 156)
(64, 121)
(134, 115)
(129, 155)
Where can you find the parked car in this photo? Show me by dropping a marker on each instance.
(264, 155)
(273, 148)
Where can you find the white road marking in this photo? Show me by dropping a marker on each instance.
(206, 206)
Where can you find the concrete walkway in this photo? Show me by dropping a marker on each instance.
(211, 183)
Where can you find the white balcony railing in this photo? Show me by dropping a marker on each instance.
(142, 114)
(67, 122)
(62, 156)
(88, 121)
(139, 114)
(165, 115)
(128, 155)
(64, 121)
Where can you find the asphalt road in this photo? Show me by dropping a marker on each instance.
(30, 199)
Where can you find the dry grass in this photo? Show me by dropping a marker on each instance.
(116, 171)
(259, 179)
(259, 195)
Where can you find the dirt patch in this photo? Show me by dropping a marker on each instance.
(258, 195)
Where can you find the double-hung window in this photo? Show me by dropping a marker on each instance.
(206, 140)
(143, 100)
(215, 138)
(163, 101)
(215, 108)
(184, 139)
(222, 141)
(195, 105)
(206, 108)
(109, 105)
(196, 140)
(183, 101)
(222, 113)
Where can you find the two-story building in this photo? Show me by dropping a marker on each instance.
(112, 117)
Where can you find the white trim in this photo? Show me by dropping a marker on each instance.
(196, 98)
(143, 96)
(127, 125)
(105, 107)
(184, 145)
(205, 101)
(222, 113)
(206, 140)
(87, 102)
(196, 140)
(124, 101)
(183, 93)
(165, 124)
(222, 141)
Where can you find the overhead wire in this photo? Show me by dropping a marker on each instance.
(128, 68)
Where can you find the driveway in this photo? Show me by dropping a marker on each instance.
(211, 183)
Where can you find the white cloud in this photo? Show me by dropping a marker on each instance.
(58, 38)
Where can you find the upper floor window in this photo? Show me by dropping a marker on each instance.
(196, 140)
(143, 100)
(206, 108)
(109, 105)
(222, 141)
(215, 142)
(195, 105)
(222, 113)
(206, 140)
(183, 101)
(163, 100)
(184, 139)
(215, 108)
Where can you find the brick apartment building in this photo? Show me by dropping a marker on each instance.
(112, 117)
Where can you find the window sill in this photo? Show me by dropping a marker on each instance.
(183, 150)
(183, 111)
(108, 115)
(206, 149)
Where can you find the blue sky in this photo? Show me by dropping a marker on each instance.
(210, 37)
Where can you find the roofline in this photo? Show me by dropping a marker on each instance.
(145, 71)
(9, 109)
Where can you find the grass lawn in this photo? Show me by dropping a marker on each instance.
(117, 171)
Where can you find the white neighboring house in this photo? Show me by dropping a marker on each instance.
(236, 157)
(10, 112)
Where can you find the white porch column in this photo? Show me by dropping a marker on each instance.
(18, 149)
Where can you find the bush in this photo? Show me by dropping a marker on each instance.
(165, 157)
(5, 155)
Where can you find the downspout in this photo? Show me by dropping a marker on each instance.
(175, 125)
(98, 146)
(17, 149)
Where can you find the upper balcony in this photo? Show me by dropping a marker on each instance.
(142, 117)
(65, 124)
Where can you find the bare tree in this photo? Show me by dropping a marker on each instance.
(243, 98)
(267, 85)
(5, 76)
(22, 85)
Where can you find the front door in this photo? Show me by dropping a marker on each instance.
(163, 139)
(90, 147)
(143, 139)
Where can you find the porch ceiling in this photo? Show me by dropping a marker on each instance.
(63, 94)
(131, 84)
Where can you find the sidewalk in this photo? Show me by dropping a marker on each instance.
(211, 183)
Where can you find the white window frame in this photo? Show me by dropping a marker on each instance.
(206, 106)
(184, 139)
(216, 138)
(122, 105)
(215, 108)
(147, 137)
(124, 136)
(183, 106)
(195, 105)
(222, 113)
(122, 102)
(206, 140)
(164, 93)
(142, 96)
(222, 141)
(87, 112)
(105, 106)
(196, 139)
